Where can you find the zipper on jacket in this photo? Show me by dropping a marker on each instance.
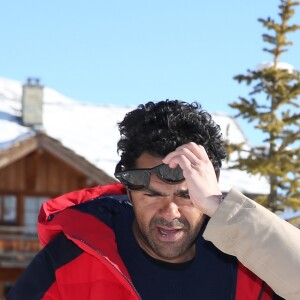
(104, 257)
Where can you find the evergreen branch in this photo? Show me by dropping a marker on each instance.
(278, 157)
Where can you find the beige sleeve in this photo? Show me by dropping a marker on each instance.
(263, 242)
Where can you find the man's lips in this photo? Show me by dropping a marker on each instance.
(169, 234)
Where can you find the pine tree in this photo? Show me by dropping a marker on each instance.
(273, 106)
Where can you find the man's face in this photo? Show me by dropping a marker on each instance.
(166, 222)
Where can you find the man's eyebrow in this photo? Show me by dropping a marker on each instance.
(154, 192)
(179, 193)
(182, 192)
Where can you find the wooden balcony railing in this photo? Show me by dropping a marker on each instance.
(17, 246)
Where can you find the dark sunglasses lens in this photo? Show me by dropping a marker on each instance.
(170, 175)
(136, 180)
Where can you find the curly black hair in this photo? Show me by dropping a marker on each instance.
(159, 128)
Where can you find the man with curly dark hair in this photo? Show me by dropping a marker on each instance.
(159, 128)
(165, 231)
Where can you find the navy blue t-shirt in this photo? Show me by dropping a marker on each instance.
(210, 275)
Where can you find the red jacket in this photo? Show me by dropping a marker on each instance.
(98, 272)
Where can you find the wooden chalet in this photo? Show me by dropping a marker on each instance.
(32, 170)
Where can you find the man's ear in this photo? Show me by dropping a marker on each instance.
(218, 174)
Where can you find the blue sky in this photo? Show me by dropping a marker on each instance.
(128, 52)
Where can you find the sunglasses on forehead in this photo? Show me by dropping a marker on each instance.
(139, 179)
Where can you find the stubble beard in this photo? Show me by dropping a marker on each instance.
(165, 250)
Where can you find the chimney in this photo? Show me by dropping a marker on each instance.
(32, 103)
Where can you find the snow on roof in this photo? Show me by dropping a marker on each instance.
(90, 130)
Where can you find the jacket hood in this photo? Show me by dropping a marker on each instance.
(46, 230)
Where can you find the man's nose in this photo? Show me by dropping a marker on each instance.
(170, 211)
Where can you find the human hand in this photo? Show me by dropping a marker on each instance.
(199, 174)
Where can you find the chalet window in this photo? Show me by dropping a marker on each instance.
(8, 209)
(31, 211)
